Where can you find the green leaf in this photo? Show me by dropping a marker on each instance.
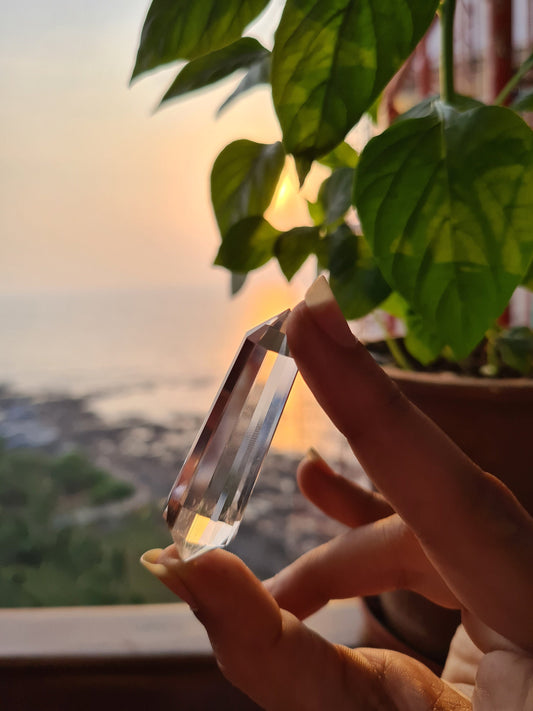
(244, 179)
(248, 245)
(218, 65)
(395, 305)
(343, 156)
(332, 59)
(523, 102)
(428, 106)
(527, 281)
(293, 247)
(303, 166)
(335, 195)
(334, 198)
(322, 253)
(445, 203)
(355, 279)
(466, 103)
(423, 343)
(259, 73)
(515, 348)
(373, 110)
(181, 29)
(317, 212)
(237, 282)
(523, 69)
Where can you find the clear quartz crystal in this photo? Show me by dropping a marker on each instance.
(207, 502)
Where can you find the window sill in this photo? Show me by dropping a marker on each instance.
(43, 634)
(132, 657)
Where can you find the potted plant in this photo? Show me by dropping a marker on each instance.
(443, 197)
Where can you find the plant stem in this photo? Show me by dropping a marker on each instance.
(447, 88)
(396, 353)
(394, 348)
(514, 80)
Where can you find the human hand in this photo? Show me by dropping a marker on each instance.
(457, 535)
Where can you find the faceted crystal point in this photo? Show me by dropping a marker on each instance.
(207, 501)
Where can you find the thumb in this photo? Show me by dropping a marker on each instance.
(278, 661)
(265, 651)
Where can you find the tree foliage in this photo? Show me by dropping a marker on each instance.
(44, 562)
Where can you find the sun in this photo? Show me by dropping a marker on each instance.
(288, 207)
(284, 193)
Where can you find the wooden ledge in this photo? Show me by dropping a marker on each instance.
(127, 657)
(79, 634)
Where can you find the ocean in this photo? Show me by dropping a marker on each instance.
(149, 353)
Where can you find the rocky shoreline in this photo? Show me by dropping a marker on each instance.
(279, 523)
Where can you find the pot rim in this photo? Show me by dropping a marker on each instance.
(521, 388)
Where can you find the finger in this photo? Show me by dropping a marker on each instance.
(267, 653)
(504, 681)
(484, 637)
(471, 526)
(383, 555)
(462, 662)
(337, 496)
(277, 660)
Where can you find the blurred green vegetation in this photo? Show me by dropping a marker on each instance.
(44, 562)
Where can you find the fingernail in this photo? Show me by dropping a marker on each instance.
(169, 575)
(149, 560)
(319, 293)
(327, 313)
(313, 456)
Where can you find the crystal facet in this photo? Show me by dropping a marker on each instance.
(207, 502)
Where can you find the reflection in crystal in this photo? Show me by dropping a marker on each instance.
(208, 499)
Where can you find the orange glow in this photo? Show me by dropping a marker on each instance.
(288, 207)
(303, 423)
(265, 297)
(285, 192)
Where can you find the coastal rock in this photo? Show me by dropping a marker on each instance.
(279, 523)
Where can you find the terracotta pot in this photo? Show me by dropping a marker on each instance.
(492, 421)
(377, 632)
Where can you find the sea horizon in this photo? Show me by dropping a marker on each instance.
(148, 352)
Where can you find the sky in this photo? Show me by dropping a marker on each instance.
(97, 190)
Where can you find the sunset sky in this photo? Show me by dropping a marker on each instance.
(96, 191)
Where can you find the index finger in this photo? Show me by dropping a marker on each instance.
(472, 528)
